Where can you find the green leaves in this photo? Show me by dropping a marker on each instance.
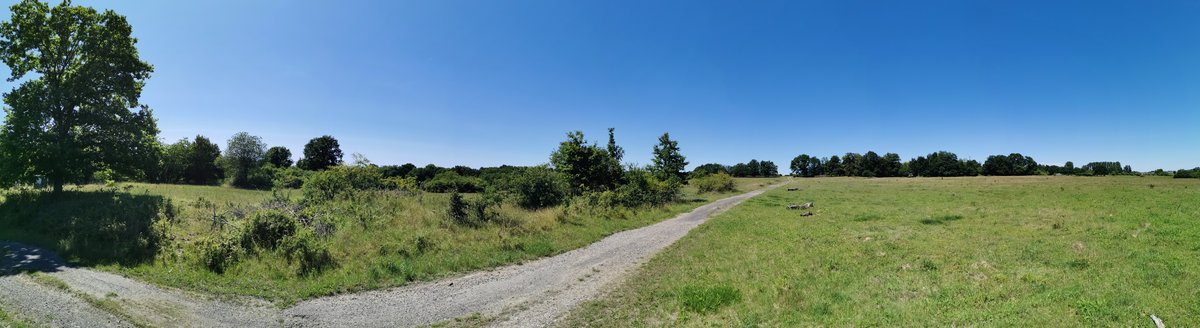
(73, 117)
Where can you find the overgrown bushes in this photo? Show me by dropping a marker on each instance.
(719, 182)
(267, 229)
(340, 182)
(450, 181)
(532, 188)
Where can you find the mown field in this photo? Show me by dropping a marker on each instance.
(378, 239)
(979, 251)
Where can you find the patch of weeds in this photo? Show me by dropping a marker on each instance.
(1079, 264)
(49, 281)
(538, 248)
(941, 219)
(707, 299)
(928, 265)
(867, 217)
(10, 322)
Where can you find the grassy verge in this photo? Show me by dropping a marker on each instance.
(106, 304)
(158, 233)
(7, 321)
(1021, 251)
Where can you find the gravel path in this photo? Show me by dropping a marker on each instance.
(533, 294)
(151, 305)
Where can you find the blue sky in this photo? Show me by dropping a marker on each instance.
(485, 83)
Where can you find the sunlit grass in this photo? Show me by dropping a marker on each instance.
(984, 251)
(382, 239)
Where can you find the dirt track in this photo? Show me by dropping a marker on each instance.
(532, 294)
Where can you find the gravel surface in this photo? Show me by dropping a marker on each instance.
(533, 294)
(151, 305)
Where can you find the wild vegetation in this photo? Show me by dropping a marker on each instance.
(989, 251)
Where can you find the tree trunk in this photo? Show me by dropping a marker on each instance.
(58, 185)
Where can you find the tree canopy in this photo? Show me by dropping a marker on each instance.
(320, 153)
(279, 156)
(668, 162)
(72, 117)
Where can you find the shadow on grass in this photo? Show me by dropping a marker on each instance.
(85, 228)
(941, 219)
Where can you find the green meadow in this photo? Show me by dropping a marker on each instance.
(976, 251)
(378, 239)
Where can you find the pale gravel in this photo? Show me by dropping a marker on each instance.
(151, 305)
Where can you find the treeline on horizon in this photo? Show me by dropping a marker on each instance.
(948, 164)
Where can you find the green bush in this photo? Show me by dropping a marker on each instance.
(400, 183)
(266, 228)
(719, 182)
(457, 211)
(341, 182)
(642, 188)
(304, 249)
(221, 251)
(289, 178)
(449, 181)
(531, 188)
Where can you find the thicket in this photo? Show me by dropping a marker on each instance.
(719, 182)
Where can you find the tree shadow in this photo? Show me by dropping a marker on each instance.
(84, 227)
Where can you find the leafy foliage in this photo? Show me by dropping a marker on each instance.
(1013, 164)
(668, 163)
(72, 118)
(532, 188)
(341, 182)
(448, 181)
(243, 156)
(279, 156)
(589, 167)
(321, 153)
(719, 182)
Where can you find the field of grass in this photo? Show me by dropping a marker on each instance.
(381, 239)
(980, 251)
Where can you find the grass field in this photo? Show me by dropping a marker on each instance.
(379, 240)
(980, 251)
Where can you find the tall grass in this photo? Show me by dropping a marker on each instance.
(374, 239)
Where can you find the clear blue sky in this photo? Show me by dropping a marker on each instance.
(485, 83)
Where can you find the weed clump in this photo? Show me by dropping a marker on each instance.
(268, 227)
(707, 299)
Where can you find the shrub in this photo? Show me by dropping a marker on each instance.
(719, 182)
(290, 178)
(532, 188)
(304, 248)
(220, 252)
(457, 212)
(400, 183)
(341, 182)
(642, 188)
(449, 181)
(268, 227)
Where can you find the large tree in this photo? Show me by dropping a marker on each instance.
(586, 165)
(244, 154)
(71, 117)
(202, 166)
(320, 153)
(668, 162)
(279, 156)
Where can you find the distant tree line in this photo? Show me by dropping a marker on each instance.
(752, 169)
(943, 164)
